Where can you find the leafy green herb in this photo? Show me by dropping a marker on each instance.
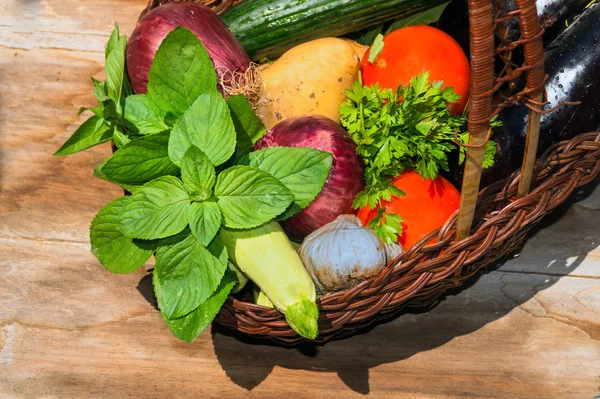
(115, 72)
(490, 147)
(205, 220)
(423, 18)
(248, 127)
(188, 327)
(386, 225)
(140, 117)
(376, 48)
(141, 160)
(206, 125)
(110, 122)
(157, 210)
(249, 197)
(188, 273)
(302, 170)
(117, 252)
(175, 156)
(87, 135)
(410, 127)
(174, 86)
(198, 173)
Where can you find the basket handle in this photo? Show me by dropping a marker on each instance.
(531, 31)
(482, 82)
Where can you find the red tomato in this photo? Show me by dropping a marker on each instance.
(426, 206)
(410, 51)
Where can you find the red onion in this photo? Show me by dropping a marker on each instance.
(345, 178)
(227, 54)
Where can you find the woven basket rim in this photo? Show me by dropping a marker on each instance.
(502, 220)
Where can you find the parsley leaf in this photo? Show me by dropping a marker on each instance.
(410, 127)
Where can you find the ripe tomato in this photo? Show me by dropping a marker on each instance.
(410, 51)
(426, 206)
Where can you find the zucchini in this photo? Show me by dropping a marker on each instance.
(268, 28)
(267, 257)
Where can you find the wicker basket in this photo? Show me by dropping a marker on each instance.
(490, 224)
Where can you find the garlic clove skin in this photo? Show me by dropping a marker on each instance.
(343, 253)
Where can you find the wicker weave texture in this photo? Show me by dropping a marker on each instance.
(502, 219)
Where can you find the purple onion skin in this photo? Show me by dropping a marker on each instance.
(345, 178)
(222, 47)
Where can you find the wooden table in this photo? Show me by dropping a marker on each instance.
(69, 329)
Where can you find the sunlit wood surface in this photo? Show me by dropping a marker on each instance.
(69, 329)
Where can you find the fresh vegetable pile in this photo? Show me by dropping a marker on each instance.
(281, 181)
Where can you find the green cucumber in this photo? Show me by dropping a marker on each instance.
(267, 28)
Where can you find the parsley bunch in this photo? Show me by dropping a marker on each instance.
(410, 127)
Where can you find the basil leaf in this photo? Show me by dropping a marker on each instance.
(140, 117)
(113, 41)
(115, 72)
(191, 325)
(205, 220)
(116, 252)
(207, 125)
(141, 160)
(188, 273)
(248, 127)
(91, 132)
(197, 173)
(302, 170)
(157, 210)
(180, 72)
(249, 197)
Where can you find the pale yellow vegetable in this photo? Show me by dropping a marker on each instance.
(311, 78)
(360, 49)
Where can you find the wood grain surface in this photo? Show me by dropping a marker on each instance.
(528, 328)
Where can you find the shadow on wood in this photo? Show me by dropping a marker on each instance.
(248, 361)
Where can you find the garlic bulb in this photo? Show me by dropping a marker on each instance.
(343, 253)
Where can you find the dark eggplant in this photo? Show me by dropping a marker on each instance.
(573, 66)
(553, 14)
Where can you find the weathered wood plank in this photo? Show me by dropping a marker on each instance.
(70, 329)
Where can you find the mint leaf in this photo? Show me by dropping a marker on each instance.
(115, 72)
(100, 91)
(188, 274)
(116, 252)
(207, 125)
(98, 111)
(129, 187)
(141, 160)
(157, 210)
(248, 127)
(197, 173)
(302, 170)
(140, 117)
(191, 325)
(113, 41)
(249, 197)
(91, 132)
(119, 138)
(205, 220)
(180, 72)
